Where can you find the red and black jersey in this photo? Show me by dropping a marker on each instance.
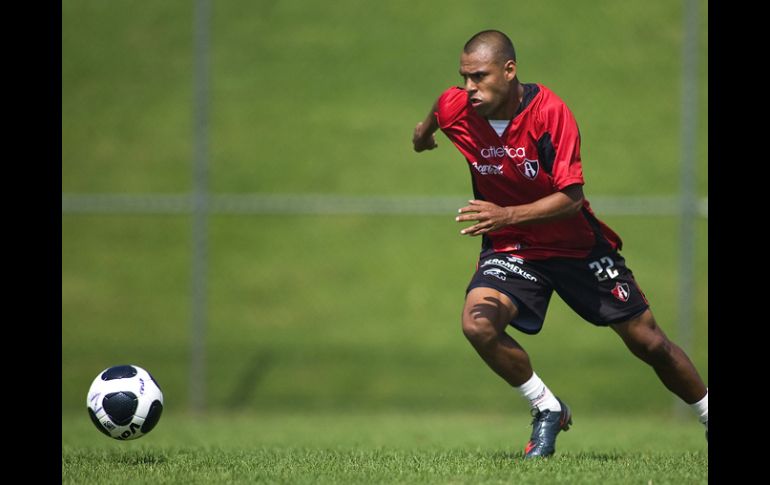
(538, 154)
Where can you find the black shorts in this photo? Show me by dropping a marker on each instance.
(602, 290)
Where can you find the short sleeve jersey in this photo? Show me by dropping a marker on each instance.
(537, 155)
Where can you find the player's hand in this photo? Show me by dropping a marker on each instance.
(490, 217)
(421, 141)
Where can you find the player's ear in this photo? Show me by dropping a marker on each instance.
(509, 68)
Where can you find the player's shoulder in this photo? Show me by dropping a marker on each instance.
(451, 103)
(547, 98)
(550, 106)
(453, 95)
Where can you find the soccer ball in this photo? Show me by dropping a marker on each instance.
(124, 402)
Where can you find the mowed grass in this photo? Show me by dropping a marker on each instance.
(364, 447)
(313, 97)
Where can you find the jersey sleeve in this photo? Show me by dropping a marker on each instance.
(560, 125)
(450, 105)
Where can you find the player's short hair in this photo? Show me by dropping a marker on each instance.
(498, 42)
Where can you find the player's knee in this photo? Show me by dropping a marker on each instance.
(654, 348)
(646, 339)
(478, 329)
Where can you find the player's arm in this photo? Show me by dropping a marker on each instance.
(491, 217)
(423, 138)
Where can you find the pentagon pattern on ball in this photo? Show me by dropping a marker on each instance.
(120, 406)
(119, 372)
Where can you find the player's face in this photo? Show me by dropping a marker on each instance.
(488, 83)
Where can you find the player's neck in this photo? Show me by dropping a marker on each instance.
(509, 108)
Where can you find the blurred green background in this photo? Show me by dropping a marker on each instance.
(336, 312)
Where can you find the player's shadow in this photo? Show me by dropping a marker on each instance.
(488, 310)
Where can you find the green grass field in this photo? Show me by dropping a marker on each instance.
(333, 343)
(441, 447)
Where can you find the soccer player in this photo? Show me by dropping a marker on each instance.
(538, 234)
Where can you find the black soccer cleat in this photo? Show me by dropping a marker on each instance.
(545, 426)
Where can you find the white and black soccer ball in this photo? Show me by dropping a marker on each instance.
(125, 402)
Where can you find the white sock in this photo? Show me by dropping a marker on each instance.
(701, 408)
(538, 394)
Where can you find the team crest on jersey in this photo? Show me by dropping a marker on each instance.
(621, 291)
(529, 168)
